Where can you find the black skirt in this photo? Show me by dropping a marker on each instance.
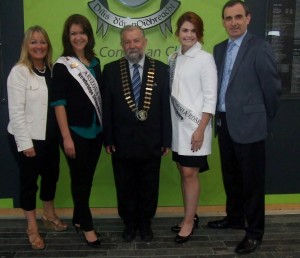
(191, 161)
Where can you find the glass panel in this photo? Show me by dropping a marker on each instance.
(283, 32)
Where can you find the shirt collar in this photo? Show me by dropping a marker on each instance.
(141, 62)
(94, 62)
(238, 41)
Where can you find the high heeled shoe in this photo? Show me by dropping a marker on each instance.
(54, 224)
(196, 221)
(176, 229)
(94, 244)
(78, 229)
(182, 239)
(36, 241)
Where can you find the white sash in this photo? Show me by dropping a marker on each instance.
(86, 80)
(172, 65)
(183, 112)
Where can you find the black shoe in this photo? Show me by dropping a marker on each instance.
(196, 221)
(182, 239)
(247, 245)
(146, 234)
(78, 229)
(224, 223)
(176, 229)
(95, 244)
(129, 234)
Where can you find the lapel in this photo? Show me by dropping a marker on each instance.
(129, 79)
(220, 55)
(240, 55)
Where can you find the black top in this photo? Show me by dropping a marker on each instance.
(52, 126)
(79, 109)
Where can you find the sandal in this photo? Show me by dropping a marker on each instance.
(36, 241)
(54, 224)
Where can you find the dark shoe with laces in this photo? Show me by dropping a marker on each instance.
(129, 234)
(247, 245)
(223, 224)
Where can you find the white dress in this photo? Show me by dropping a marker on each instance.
(193, 91)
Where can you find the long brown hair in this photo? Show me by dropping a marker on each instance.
(87, 28)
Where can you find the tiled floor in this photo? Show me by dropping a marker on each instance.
(282, 239)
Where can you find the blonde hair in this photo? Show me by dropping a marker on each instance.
(25, 57)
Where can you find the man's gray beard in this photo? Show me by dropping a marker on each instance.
(134, 57)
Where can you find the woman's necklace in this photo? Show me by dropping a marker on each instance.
(41, 71)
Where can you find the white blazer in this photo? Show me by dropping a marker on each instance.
(27, 106)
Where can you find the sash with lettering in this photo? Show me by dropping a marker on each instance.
(86, 80)
(181, 111)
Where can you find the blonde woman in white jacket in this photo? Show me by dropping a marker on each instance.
(193, 100)
(33, 131)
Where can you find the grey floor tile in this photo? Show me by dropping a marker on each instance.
(282, 240)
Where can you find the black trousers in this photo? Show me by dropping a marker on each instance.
(243, 169)
(137, 184)
(82, 170)
(44, 164)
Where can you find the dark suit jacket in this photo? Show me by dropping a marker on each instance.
(131, 137)
(253, 91)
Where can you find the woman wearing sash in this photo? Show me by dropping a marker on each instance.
(33, 131)
(77, 101)
(193, 102)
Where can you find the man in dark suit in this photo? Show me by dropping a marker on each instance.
(137, 130)
(249, 94)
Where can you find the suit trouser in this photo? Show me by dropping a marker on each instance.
(243, 169)
(44, 164)
(137, 183)
(82, 170)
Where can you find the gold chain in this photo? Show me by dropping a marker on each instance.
(148, 92)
